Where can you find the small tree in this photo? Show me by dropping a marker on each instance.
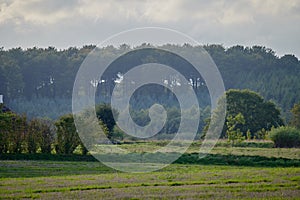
(261, 134)
(67, 138)
(88, 128)
(296, 116)
(16, 134)
(33, 136)
(106, 114)
(233, 132)
(40, 134)
(47, 135)
(248, 134)
(5, 130)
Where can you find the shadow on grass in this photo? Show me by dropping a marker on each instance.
(238, 160)
(188, 158)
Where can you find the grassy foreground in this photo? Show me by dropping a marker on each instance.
(69, 180)
(227, 173)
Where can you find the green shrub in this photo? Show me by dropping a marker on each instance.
(285, 137)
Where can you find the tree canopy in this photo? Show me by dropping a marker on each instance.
(41, 77)
(257, 113)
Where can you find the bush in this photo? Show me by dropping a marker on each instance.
(285, 137)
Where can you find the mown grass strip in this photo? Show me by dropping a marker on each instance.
(91, 187)
(295, 178)
(188, 158)
(172, 184)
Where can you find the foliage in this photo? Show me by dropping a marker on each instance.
(106, 114)
(261, 134)
(5, 130)
(41, 74)
(250, 143)
(67, 138)
(248, 134)
(173, 120)
(296, 116)
(33, 136)
(13, 129)
(285, 137)
(258, 114)
(40, 135)
(117, 134)
(234, 133)
(19, 136)
(47, 135)
(52, 108)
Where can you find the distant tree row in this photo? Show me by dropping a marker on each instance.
(46, 76)
(17, 135)
(248, 116)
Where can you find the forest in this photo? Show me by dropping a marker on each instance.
(39, 81)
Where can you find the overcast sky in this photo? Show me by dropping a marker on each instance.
(64, 23)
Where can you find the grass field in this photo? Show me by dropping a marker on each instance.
(208, 179)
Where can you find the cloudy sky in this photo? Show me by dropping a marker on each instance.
(43, 23)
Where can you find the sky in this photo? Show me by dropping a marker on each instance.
(62, 24)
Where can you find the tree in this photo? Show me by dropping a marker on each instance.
(296, 116)
(38, 75)
(173, 120)
(88, 130)
(33, 136)
(40, 135)
(5, 130)
(67, 138)
(106, 114)
(258, 113)
(13, 129)
(17, 133)
(233, 131)
(13, 83)
(47, 135)
(67, 134)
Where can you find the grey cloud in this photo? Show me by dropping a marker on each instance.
(74, 23)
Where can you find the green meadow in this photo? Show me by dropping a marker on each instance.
(257, 172)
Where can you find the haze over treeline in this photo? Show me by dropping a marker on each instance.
(42, 79)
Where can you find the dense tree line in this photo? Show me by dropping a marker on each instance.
(259, 69)
(249, 116)
(20, 135)
(43, 78)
